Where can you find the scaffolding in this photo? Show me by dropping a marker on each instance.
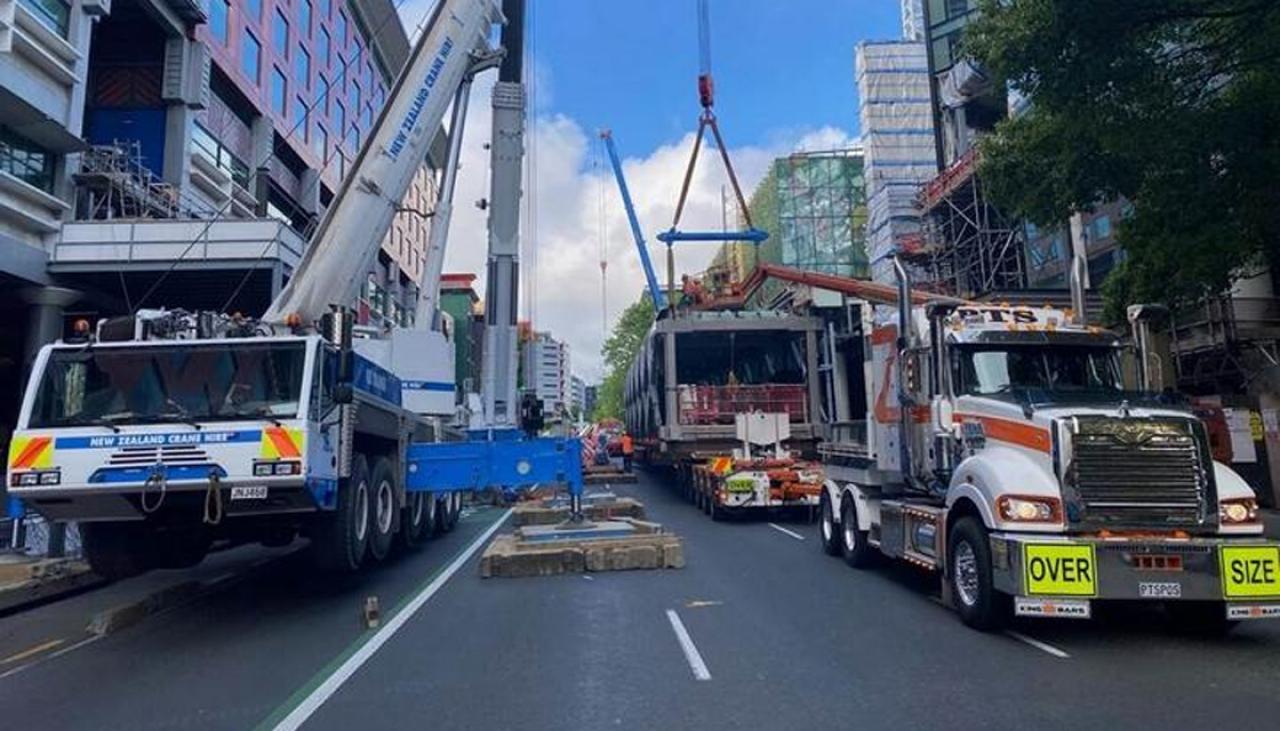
(114, 184)
(969, 247)
(898, 139)
(822, 212)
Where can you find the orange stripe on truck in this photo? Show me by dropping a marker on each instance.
(1013, 432)
(29, 455)
(283, 443)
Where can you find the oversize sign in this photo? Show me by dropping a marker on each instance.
(1059, 569)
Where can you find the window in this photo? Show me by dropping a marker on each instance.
(989, 370)
(56, 14)
(340, 27)
(339, 116)
(324, 8)
(280, 33)
(26, 161)
(300, 116)
(304, 17)
(366, 119)
(320, 142)
(218, 10)
(250, 56)
(322, 48)
(302, 67)
(1101, 228)
(253, 8)
(322, 93)
(208, 147)
(353, 141)
(353, 98)
(279, 91)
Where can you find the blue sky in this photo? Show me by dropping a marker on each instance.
(780, 66)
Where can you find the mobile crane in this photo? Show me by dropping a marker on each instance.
(169, 429)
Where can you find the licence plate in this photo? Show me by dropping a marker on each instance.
(1059, 569)
(252, 492)
(1250, 571)
(1159, 590)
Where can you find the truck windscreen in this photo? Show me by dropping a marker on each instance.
(989, 370)
(179, 383)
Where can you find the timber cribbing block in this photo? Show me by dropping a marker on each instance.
(543, 513)
(512, 554)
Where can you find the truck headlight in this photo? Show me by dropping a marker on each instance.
(1029, 509)
(29, 479)
(263, 469)
(1237, 511)
(52, 477)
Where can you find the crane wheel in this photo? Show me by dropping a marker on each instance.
(384, 513)
(416, 519)
(115, 550)
(341, 536)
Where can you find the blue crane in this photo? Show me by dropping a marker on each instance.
(655, 290)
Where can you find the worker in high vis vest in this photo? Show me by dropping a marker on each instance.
(628, 449)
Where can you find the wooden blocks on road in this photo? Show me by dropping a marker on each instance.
(563, 550)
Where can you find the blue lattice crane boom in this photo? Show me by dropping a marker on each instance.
(655, 290)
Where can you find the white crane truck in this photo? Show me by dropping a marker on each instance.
(169, 429)
(1000, 449)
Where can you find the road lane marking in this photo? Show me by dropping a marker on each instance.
(1042, 646)
(31, 651)
(700, 603)
(791, 533)
(316, 698)
(50, 656)
(691, 653)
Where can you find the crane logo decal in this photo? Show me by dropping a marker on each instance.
(420, 100)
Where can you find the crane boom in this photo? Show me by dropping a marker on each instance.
(347, 241)
(655, 290)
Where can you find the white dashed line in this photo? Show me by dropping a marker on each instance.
(1042, 646)
(791, 533)
(691, 653)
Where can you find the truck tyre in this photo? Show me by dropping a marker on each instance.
(440, 514)
(969, 570)
(341, 537)
(415, 519)
(115, 550)
(715, 511)
(383, 511)
(455, 510)
(827, 529)
(857, 550)
(1203, 619)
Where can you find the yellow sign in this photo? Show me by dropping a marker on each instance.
(1250, 571)
(31, 453)
(721, 465)
(740, 484)
(1059, 569)
(281, 443)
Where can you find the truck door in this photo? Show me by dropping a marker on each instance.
(322, 452)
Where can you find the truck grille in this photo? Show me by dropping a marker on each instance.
(167, 454)
(1138, 473)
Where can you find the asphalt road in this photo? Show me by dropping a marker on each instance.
(786, 638)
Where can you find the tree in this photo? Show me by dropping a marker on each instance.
(619, 351)
(1172, 104)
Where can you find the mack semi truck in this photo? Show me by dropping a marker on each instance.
(999, 446)
(164, 430)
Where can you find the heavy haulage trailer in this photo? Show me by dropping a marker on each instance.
(166, 430)
(998, 446)
(731, 402)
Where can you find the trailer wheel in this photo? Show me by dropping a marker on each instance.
(341, 537)
(452, 509)
(830, 536)
(115, 550)
(416, 519)
(715, 511)
(857, 550)
(383, 513)
(969, 570)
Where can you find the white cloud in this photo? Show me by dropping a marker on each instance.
(568, 301)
